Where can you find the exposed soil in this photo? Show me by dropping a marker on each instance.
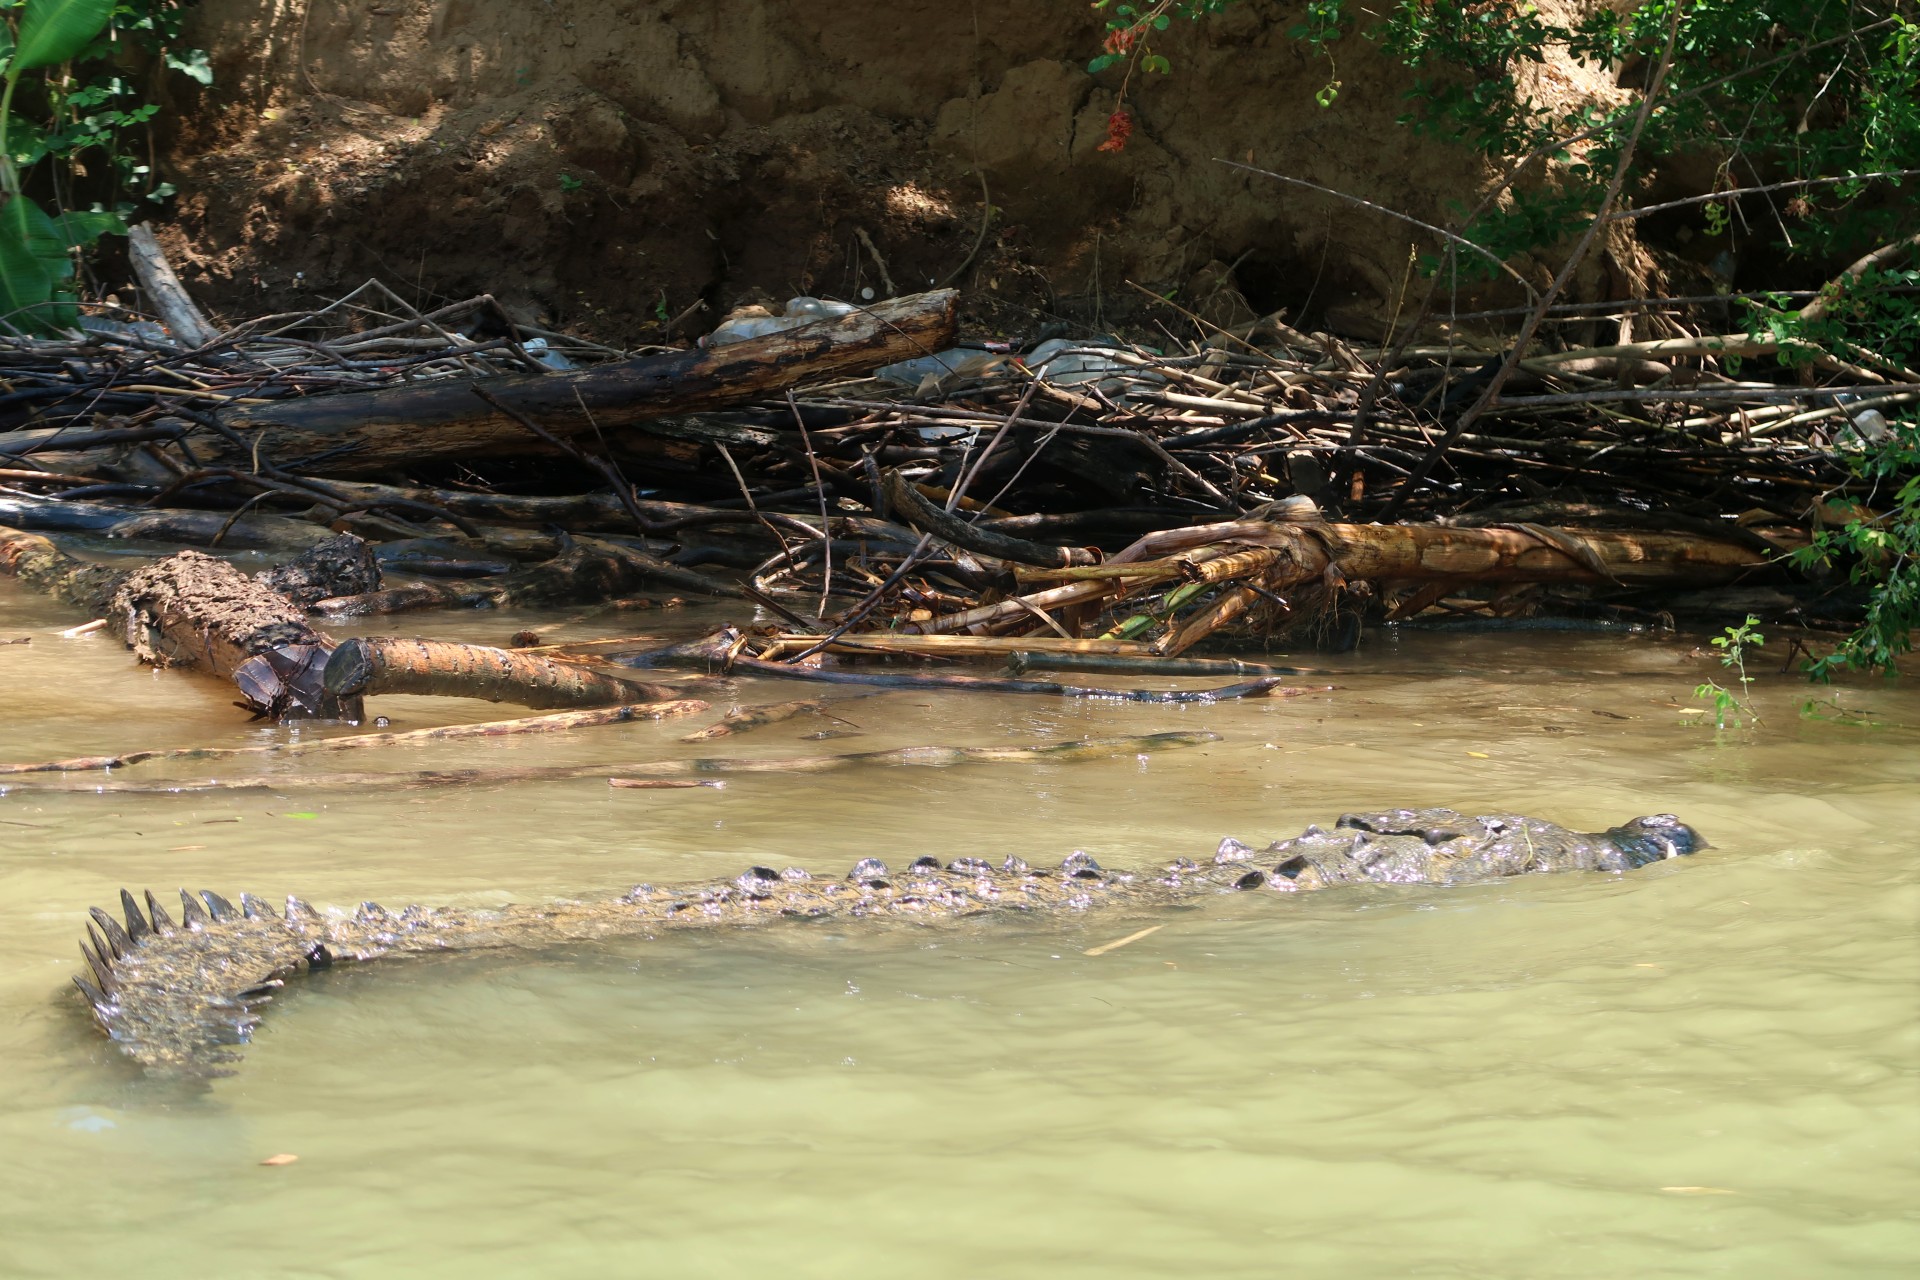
(610, 164)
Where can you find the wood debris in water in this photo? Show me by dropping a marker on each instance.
(1086, 505)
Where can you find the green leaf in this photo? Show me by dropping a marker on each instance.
(81, 229)
(33, 266)
(1102, 62)
(192, 63)
(52, 31)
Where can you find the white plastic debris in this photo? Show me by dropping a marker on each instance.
(1067, 363)
(541, 352)
(954, 363)
(741, 328)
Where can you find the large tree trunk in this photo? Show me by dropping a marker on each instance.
(363, 433)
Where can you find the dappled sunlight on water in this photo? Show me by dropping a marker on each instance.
(1703, 1069)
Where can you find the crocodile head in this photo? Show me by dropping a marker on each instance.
(1444, 846)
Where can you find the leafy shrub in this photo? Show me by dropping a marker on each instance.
(69, 60)
(1814, 107)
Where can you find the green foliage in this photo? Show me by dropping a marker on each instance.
(1882, 549)
(69, 62)
(1728, 706)
(1770, 92)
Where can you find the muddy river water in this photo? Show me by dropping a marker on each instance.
(1703, 1069)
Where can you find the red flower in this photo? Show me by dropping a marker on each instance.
(1119, 129)
(1121, 40)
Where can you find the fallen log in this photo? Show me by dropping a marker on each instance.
(901, 757)
(440, 668)
(1021, 661)
(558, 722)
(343, 562)
(191, 610)
(46, 568)
(367, 432)
(742, 719)
(1264, 688)
(164, 290)
(665, 784)
(249, 532)
(589, 572)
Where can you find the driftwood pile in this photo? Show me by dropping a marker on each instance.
(1075, 504)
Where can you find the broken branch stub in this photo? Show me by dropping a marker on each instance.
(923, 515)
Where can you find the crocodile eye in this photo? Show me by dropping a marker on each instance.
(1080, 865)
(1252, 880)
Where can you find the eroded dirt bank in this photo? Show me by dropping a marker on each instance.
(605, 164)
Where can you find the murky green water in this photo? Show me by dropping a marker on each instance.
(1705, 1069)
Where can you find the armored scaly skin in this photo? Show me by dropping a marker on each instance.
(175, 996)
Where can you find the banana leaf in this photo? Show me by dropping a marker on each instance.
(52, 31)
(34, 265)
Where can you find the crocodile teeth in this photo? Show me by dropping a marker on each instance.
(137, 926)
(221, 910)
(162, 922)
(118, 943)
(192, 914)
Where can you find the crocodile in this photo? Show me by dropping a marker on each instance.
(179, 997)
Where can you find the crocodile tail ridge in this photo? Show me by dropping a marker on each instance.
(178, 997)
